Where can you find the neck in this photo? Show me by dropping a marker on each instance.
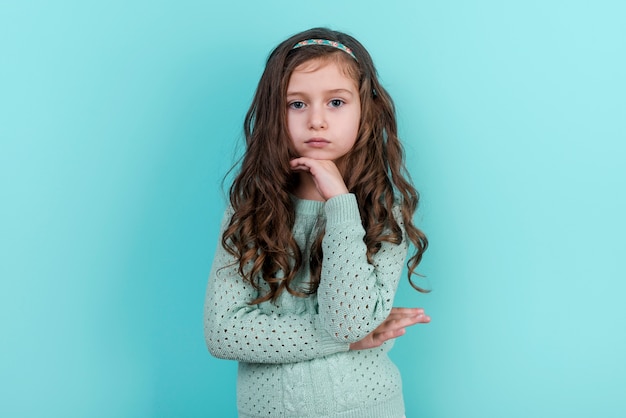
(306, 188)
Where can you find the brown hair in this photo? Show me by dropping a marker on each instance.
(259, 234)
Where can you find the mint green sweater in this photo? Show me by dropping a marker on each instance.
(294, 357)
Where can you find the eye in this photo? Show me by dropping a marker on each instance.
(296, 105)
(336, 103)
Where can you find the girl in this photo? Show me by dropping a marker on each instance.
(314, 240)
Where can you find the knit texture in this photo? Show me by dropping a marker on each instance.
(294, 357)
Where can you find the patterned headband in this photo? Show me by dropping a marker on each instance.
(334, 44)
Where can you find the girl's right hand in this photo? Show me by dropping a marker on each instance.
(392, 327)
(325, 174)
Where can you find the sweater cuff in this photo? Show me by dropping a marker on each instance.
(328, 345)
(342, 208)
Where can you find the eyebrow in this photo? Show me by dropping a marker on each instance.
(333, 91)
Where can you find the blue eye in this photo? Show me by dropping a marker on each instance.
(336, 103)
(296, 105)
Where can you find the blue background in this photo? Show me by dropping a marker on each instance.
(118, 120)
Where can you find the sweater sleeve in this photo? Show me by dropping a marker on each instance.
(355, 296)
(236, 330)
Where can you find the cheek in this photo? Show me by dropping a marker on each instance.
(356, 123)
(291, 125)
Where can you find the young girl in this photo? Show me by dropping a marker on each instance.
(314, 240)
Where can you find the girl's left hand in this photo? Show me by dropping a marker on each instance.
(325, 174)
(392, 327)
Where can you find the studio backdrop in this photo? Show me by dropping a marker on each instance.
(119, 120)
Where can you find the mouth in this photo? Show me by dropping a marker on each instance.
(316, 141)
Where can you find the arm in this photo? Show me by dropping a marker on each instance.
(235, 330)
(354, 296)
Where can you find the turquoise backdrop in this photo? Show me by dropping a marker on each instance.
(118, 120)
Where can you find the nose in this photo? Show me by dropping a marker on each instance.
(317, 118)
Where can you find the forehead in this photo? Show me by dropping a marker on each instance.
(322, 72)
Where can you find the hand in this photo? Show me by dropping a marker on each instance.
(325, 174)
(392, 327)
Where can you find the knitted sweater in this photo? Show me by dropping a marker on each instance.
(293, 354)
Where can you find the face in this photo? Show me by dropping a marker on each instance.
(323, 111)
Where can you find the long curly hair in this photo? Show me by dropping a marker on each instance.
(259, 234)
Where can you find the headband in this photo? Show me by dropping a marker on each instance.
(334, 44)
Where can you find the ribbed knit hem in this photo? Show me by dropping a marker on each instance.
(391, 408)
(342, 208)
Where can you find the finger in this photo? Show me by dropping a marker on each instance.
(301, 168)
(409, 315)
(302, 161)
(298, 162)
(381, 337)
(413, 311)
(386, 333)
(420, 319)
(403, 321)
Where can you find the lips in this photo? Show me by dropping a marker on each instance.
(317, 142)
